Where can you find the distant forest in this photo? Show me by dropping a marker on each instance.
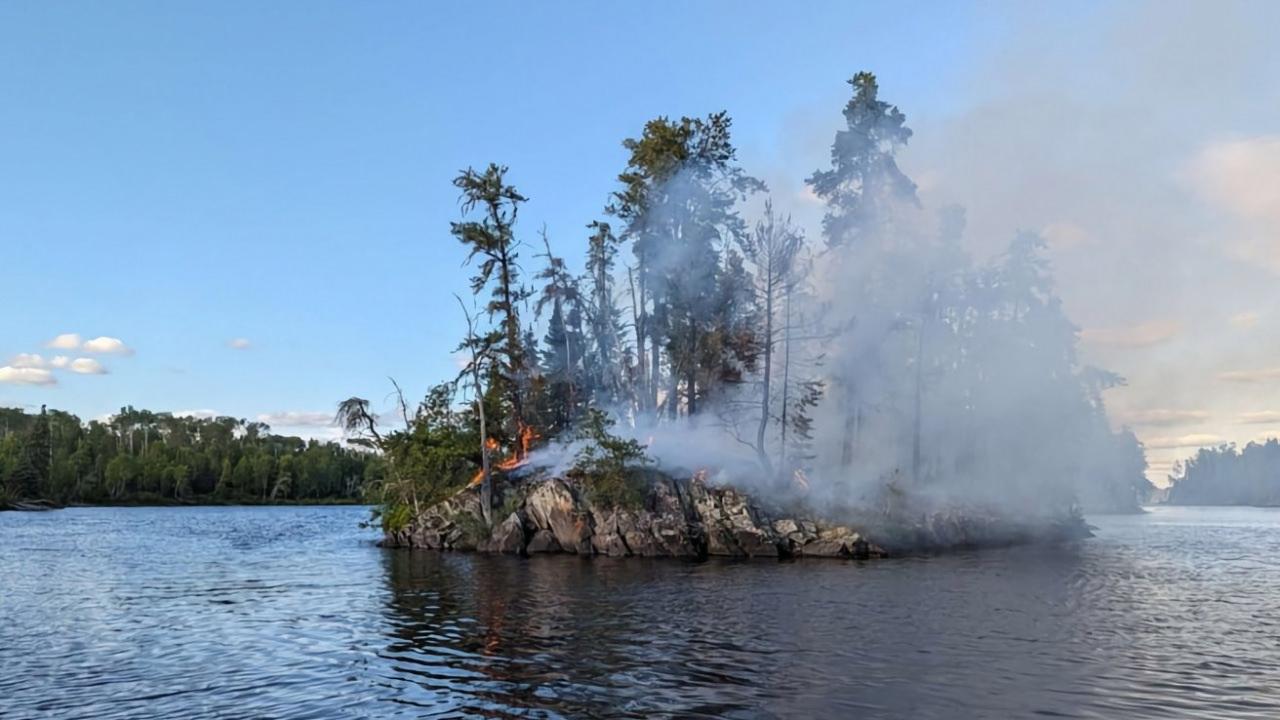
(143, 457)
(1226, 475)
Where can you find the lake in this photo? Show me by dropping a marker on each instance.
(293, 612)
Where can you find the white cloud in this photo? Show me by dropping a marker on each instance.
(203, 414)
(1134, 336)
(297, 418)
(35, 361)
(65, 341)
(26, 376)
(1241, 178)
(1184, 441)
(87, 366)
(106, 345)
(1266, 436)
(1250, 376)
(239, 344)
(1262, 417)
(28, 360)
(1163, 417)
(1243, 320)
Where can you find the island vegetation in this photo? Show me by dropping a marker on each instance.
(878, 367)
(1228, 475)
(142, 457)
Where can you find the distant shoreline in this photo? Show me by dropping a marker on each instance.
(39, 506)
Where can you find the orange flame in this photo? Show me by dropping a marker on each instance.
(527, 437)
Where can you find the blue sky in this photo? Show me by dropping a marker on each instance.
(182, 174)
(179, 175)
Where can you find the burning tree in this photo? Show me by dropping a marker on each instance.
(492, 239)
(887, 353)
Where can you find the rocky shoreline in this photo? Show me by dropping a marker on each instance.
(694, 519)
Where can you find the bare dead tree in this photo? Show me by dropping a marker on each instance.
(480, 349)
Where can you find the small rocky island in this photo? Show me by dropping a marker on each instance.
(921, 397)
(693, 518)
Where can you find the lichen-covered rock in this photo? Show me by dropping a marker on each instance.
(663, 527)
(508, 537)
(836, 541)
(543, 541)
(691, 518)
(732, 525)
(553, 507)
(608, 536)
(674, 529)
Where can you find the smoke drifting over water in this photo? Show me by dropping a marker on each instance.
(911, 331)
(884, 358)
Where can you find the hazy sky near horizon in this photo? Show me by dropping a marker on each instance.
(254, 198)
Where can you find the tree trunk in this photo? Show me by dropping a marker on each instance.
(786, 379)
(765, 463)
(486, 480)
(638, 319)
(655, 368)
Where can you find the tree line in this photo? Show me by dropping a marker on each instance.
(138, 456)
(1227, 475)
(882, 353)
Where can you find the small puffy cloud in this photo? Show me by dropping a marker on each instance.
(106, 346)
(65, 341)
(239, 344)
(203, 414)
(26, 376)
(1183, 441)
(1250, 376)
(1244, 320)
(28, 360)
(34, 361)
(1134, 336)
(297, 418)
(1262, 417)
(1163, 417)
(86, 366)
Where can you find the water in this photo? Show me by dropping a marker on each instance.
(293, 612)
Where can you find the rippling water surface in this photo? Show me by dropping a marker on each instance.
(293, 612)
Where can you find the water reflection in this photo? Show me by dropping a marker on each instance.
(1070, 631)
(293, 613)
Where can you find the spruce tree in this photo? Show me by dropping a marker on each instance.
(491, 238)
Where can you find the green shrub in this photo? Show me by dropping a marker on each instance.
(608, 465)
(396, 517)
